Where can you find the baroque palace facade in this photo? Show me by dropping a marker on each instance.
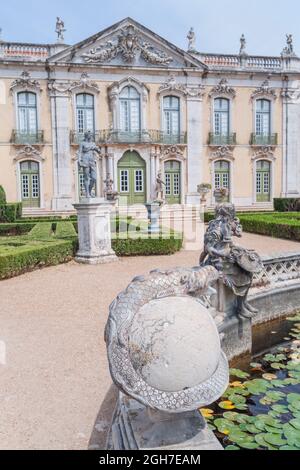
(229, 120)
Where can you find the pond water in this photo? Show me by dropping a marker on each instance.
(260, 410)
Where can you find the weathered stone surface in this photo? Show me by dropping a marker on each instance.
(168, 346)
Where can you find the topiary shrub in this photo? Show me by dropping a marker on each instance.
(2, 195)
(287, 204)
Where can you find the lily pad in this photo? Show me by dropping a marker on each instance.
(274, 439)
(238, 373)
(295, 423)
(232, 448)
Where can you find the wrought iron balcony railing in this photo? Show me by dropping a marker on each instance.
(263, 139)
(218, 139)
(22, 138)
(112, 136)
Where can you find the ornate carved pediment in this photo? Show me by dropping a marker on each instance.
(129, 45)
(264, 152)
(264, 90)
(63, 87)
(172, 86)
(224, 152)
(25, 82)
(173, 151)
(28, 151)
(84, 84)
(115, 88)
(223, 89)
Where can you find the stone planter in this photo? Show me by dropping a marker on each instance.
(220, 195)
(153, 211)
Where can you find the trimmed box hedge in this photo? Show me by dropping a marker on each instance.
(287, 228)
(146, 246)
(287, 204)
(10, 212)
(18, 256)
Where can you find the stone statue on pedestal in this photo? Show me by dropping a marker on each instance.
(109, 192)
(87, 161)
(60, 29)
(159, 188)
(236, 264)
(192, 40)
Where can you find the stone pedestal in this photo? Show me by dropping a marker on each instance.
(136, 426)
(94, 231)
(153, 210)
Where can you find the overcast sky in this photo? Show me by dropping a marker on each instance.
(218, 23)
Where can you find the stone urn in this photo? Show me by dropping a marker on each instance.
(203, 190)
(221, 195)
(153, 211)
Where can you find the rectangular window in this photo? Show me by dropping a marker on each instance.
(35, 186)
(225, 180)
(80, 120)
(139, 181)
(124, 184)
(168, 184)
(266, 187)
(258, 183)
(25, 186)
(176, 184)
(217, 181)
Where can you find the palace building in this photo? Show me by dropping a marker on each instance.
(231, 121)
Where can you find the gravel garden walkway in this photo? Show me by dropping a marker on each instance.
(55, 380)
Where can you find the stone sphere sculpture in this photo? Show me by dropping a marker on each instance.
(163, 344)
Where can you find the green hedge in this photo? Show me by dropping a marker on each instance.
(15, 228)
(10, 212)
(2, 195)
(287, 204)
(18, 256)
(146, 246)
(287, 228)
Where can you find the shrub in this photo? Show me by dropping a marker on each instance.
(146, 246)
(15, 228)
(19, 256)
(287, 228)
(2, 196)
(10, 212)
(287, 204)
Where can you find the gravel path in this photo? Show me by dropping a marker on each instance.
(56, 378)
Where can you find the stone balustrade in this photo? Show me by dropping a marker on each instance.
(280, 268)
(14, 50)
(236, 61)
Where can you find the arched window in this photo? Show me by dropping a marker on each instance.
(85, 113)
(221, 116)
(263, 118)
(263, 181)
(130, 119)
(27, 113)
(171, 115)
(222, 175)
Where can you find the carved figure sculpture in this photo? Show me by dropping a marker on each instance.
(87, 161)
(60, 29)
(109, 192)
(192, 40)
(236, 264)
(159, 187)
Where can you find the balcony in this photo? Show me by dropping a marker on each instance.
(23, 138)
(217, 140)
(261, 140)
(110, 136)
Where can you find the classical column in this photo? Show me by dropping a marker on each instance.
(291, 143)
(194, 147)
(62, 173)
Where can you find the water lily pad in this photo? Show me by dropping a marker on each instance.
(252, 428)
(277, 366)
(275, 439)
(269, 376)
(232, 448)
(237, 399)
(288, 448)
(238, 373)
(224, 425)
(282, 409)
(295, 423)
(272, 430)
(259, 438)
(207, 413)
(231, 415)
(293, 398)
